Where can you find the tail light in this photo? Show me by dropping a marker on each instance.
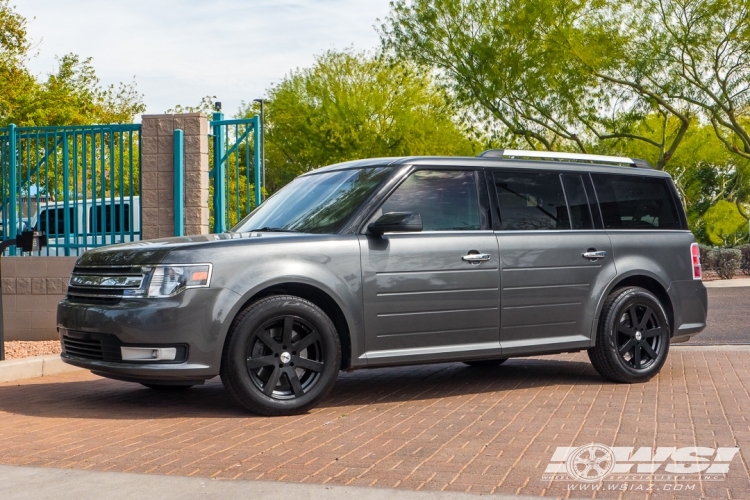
(695, 255)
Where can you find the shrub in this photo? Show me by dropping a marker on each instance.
(745, 263)
(726, 261)
(707, 258)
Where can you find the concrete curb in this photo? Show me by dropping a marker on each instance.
(30, 482)
(33, 367)
(734, 283)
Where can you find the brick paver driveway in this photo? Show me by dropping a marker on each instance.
(430, 427)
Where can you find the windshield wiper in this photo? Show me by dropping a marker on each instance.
(273, 230)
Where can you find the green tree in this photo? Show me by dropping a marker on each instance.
(560, 74)
(354, 105)
(724, 224)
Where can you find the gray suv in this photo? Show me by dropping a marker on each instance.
(387, 262)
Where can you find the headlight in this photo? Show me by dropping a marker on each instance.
(171, 280)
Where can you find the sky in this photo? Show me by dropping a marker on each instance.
(178, 51)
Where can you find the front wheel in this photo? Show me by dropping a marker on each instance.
(633, 337)
(281, 357)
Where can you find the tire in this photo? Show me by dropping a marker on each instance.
(486, 363)
(286, 341)
(167, 388)
(633, 337)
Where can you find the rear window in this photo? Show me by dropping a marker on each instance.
(635, 202)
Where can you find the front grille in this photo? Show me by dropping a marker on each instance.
(104, 285)
(83, 348)
(95, 346)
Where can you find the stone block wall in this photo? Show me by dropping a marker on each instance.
(31, 290)
(157, 171)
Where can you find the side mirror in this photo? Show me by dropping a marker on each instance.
(396, 222)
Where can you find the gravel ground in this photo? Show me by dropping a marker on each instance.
(19, 349)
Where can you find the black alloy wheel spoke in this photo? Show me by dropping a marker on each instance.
(628, 346)
(286, 337)
(625, 330)
(255, 363)
(308, 364)
(633, 313)
(266, 338)
(647, 315)
(649, 350)
(637, 356)
(647, 334)
(270, 384)
(306, 342)
(291, 375)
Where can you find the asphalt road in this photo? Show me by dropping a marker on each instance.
(728, 317)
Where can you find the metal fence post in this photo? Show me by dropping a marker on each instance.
(219, 175)
(179, 183)
(66, 193)
(13, 215)
(256, 160)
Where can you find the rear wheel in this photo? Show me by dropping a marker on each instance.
(281, 357)
(486, 363)
(633, 337)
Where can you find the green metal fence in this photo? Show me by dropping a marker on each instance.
(79, 184)
(234, 161)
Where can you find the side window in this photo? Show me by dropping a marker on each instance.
(531, 201)
(578, 202)
(105, 225)
(446, 199)
(52, 221)
(635, 202)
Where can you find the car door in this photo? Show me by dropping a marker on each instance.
(433, 294)
(555, 256)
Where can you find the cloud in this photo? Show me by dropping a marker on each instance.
(180, 51)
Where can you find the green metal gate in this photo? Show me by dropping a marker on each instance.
(235, 170)
(79, 184)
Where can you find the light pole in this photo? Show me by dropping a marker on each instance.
(262, 142)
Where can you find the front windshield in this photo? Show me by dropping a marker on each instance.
(317, 203)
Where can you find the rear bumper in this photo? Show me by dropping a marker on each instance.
(690, 301)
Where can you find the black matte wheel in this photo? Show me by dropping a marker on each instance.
(486, 363)
(282, 355)
(168, 388)
(633, 337)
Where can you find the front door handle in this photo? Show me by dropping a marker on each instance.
(476, 258)
(594, 254)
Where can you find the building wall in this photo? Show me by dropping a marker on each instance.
(31, 290)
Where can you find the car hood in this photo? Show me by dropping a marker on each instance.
(155, 251)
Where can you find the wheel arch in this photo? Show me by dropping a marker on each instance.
(643, 280)
(317, 296)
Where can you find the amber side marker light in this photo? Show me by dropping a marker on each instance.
(199, 276)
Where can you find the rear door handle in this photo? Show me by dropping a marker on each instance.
(594, 254)
(476, 258)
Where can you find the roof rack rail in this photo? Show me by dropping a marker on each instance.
(551, 155)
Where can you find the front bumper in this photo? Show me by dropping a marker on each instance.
(194, 320)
